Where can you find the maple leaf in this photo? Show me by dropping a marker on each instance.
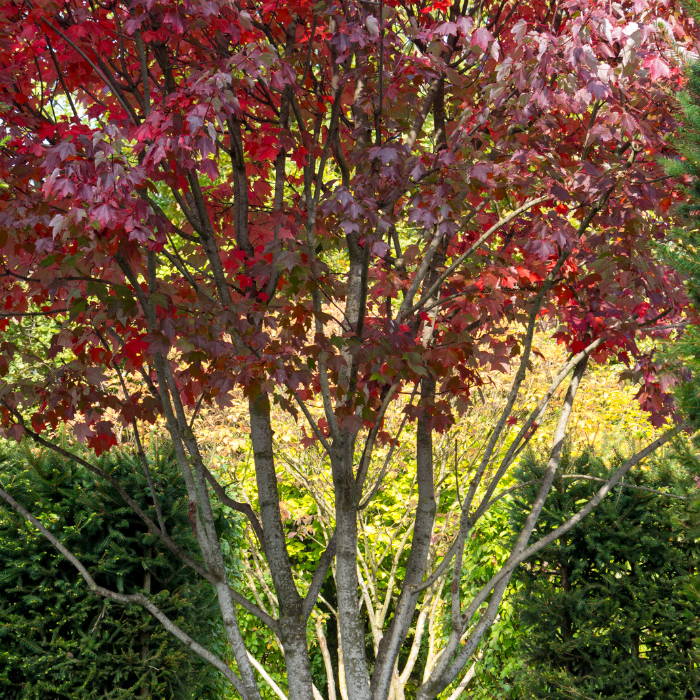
(210, 168)
(482, 37)
(385, 154)
(372, 25)
(44, 245)
(599, 90)
(519, 30)
(83, 431)
(481, 171)
(175, 20)
(104, 213)
(134, 23)
(658, 68)
(351, 423)
(65, 149)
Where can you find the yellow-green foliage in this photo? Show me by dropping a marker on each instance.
(606, 417)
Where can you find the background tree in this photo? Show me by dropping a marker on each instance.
(59, 641)
(608, 610)
(331, 209)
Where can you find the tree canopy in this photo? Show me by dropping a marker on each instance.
(336, 210)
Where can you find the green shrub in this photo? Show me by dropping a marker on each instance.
(608, 611)
(57, 640)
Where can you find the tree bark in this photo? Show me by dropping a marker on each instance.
(350, 623)
(292, 622)
(420, 548)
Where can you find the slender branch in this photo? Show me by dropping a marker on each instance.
(585, 477)
(534, 417)
(424, 112)
(144, 73)
(115, 90)
(17, 314)
(244, 508)
(482, 239)
(371, 438)
(517, 382)
(468, 676)
(318, 578)
(267, 678)
(380, 78)
(646, 489)
(373, 491)
(312, 423)
(594, 114)
(423, 270)
(59, 72)
(137, 437)
(168, 541)
(152, 527)
(149, 477)
(506, 571)
(323, 644)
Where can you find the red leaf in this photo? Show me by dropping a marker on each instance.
(352, 423)
(175, 20)
(482, 37)
(658, 68)
(103, 213)
(244, 281)
(83, 431)
(210, 168)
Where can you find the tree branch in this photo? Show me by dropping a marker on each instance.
(482, 239)
(507, 570)
(244, 508)
(318, 578)
(114, 88)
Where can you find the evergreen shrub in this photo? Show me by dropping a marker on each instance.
(57, 640)
(609, 610)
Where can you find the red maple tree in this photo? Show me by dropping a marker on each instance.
(360, 201)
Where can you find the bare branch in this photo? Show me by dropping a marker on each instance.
(267, 677)
(373, 491)
(497, 581)
(312, 423)
(517, 382)
(144, 73)
(104, 76)
(244, 508)
(318, 578)
(584, 477)
(372, 437)
(536, 414)
(326, 658)
(59, 72)
(420, 274)
(646, 489)
(424, 112)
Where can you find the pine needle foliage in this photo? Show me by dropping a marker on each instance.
(683, 249)
(610, 611)
(57, 640)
